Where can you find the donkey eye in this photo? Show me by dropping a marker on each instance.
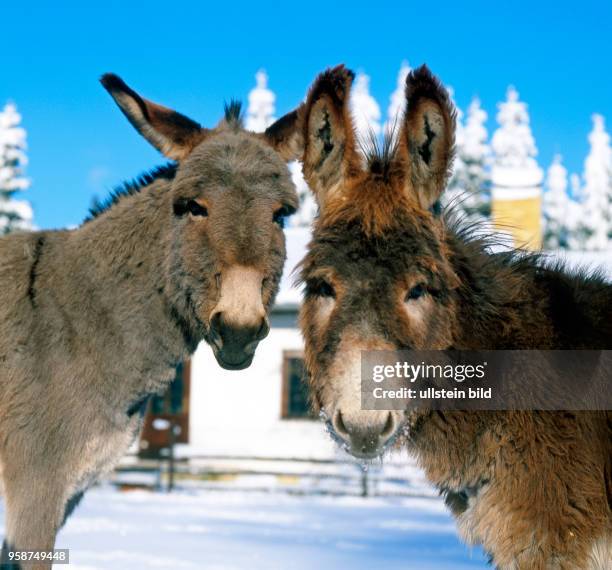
(416, 292)
(279, 217)
(196, 209)
(181, 207)
(320, 288)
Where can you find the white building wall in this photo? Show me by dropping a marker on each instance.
(239, 412)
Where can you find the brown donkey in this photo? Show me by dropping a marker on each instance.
(385, 270)
(94, 320)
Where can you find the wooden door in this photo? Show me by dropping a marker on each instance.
(173, 409)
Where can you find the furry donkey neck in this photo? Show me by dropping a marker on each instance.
(110, 290)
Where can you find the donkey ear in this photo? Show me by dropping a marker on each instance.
(330, 156)
(286, 135)
(173, 134)
(427, 136)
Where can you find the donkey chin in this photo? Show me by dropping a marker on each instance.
(235, 360)
(234, 346)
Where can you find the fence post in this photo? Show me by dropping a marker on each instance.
(171, 435)
(161, 424)
(364, 480)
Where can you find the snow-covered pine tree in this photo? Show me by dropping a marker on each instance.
(365, 109)
(14, 214)
(397, 99)
(516, 178)
(513, 144)
(594, 228)
(575, 187)
(476, 155)
(556, 206)
(308, 208)
(260, 115)
(260, 112)
(454, 195)
(470, 183)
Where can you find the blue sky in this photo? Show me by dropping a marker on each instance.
(192, 56)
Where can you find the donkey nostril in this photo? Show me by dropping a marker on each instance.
(264, 329)
(215, 330)
(339, 426)
(215, 321)
(389, 427)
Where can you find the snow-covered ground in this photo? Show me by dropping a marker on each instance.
(228, 530)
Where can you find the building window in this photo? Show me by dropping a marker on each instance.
(295, 397)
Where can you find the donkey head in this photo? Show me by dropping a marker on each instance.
(377, 273)
(228, 200)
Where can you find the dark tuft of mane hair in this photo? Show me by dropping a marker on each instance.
(166, 171)
(379, 156)
(473, 238)
(233, 112)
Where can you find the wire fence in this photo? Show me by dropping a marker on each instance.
(298, 476)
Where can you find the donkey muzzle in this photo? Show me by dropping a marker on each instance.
(366, 433)
(238, 322)
(234, 345)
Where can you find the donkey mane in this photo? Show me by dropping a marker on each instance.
(471, 240)
(521, 287)
(129, 187)
(233, 113)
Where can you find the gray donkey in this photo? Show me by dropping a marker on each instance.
(94, 320)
